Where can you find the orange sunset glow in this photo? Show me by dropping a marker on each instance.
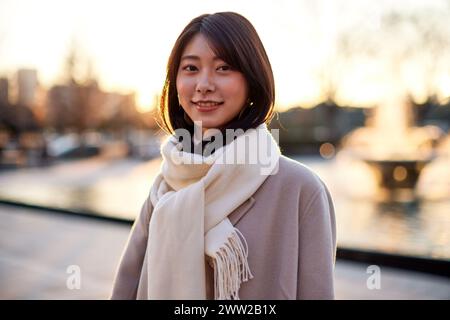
(125, 45)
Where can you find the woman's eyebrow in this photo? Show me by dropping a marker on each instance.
(194, 57)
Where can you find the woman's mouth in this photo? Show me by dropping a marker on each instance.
(207, 106)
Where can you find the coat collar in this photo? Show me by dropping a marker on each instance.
(240, 211)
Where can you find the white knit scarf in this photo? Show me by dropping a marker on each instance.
(192, 197)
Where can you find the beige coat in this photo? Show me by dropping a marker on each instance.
(289, 225)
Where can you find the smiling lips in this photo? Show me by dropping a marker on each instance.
(205, 106)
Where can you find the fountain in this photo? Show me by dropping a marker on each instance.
(395, 149)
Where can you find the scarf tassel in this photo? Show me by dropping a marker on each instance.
(231, 267)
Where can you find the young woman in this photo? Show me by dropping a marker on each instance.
(217, 224)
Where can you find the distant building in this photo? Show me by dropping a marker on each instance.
(17, 118)
(61, 107)
(27, 84)
(87, 107)
(4, 91)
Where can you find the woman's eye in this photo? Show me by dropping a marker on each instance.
(225, 68)
(189, 68)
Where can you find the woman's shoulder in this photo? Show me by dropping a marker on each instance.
(299, 172)
(298, 182)
(297, 176)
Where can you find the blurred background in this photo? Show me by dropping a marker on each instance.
(363, 99)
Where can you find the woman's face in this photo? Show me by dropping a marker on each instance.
(208, 89)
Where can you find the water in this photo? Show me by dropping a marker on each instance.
(119, 187)
(419, 228)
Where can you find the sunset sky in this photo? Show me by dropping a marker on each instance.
(128, 43)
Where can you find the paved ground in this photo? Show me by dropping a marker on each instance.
(37, 249)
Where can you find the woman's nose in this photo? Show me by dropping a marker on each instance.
(205, 83)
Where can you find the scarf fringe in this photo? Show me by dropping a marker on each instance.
(231, 267)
